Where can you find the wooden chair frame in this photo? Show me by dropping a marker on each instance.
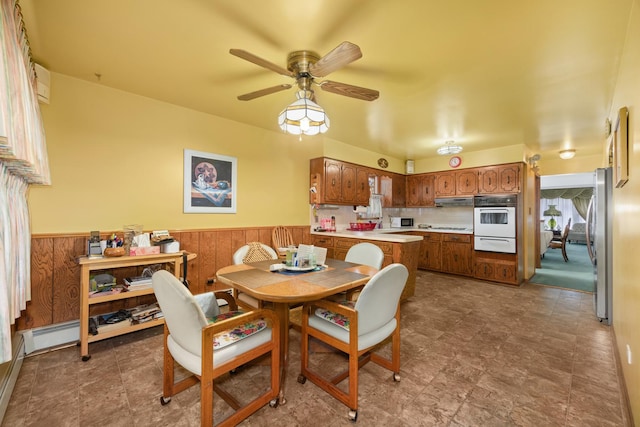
(210, 372)
(562, 243)
(281, 238)
(357, 359)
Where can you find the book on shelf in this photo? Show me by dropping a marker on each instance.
(138, 280)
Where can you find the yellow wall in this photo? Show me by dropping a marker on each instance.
(117, 159)
(626, 227)
(554, 165)
(510, 154)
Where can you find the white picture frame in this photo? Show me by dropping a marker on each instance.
(210, 182)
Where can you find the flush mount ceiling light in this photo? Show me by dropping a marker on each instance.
(567, 154)
(303, 116)
(449, 148)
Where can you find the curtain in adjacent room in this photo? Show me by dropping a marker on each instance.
(580, 197)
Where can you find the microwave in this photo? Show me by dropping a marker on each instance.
(397, 221)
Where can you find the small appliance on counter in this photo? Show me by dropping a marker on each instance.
(398, 221)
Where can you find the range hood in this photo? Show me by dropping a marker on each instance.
(454, 201)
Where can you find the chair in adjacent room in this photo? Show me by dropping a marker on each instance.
(355, 328)
(562, 243)
(281, 239)
(251, 252)
(209, 344)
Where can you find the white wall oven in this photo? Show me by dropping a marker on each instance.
(494, 223)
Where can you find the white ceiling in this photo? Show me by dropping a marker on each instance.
(485, 73)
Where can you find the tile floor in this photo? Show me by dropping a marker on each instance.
(473, 354)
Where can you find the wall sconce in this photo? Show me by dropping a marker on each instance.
(533, 159)
(567, 154)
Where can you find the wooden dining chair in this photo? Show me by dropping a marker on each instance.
(281, 239)
(208, 344)
(251, 252)
(355, 328)
(562, 243)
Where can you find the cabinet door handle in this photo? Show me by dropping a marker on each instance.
(508, 180)
(489, 180)
(333, 181)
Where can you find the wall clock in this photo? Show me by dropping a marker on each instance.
(455, 161)
(383, 163)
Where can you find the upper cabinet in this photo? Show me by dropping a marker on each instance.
(500, 179)
(392, 188)
(457, 183)
(336, 182)
(421, 190)
(333, 181)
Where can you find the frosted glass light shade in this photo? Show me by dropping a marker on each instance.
(303, 116)
(567, 154)
(449, 148)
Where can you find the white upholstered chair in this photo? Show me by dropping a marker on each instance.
(209, 344)
(362, 253)
(355, 328)
(251, 252)
(365, 253)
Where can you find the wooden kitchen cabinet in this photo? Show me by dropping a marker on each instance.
(399, 185)
(406, 253)
(496, 267)
(445, 184)
(421, 190)
(466, 182)
(392, 188)
(457, 254)
(337, 182)
(362, 186)
(324, 242)
(431, 252)
(499, 179)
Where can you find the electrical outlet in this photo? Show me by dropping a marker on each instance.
(629, 354)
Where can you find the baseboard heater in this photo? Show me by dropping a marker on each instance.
(9, 373)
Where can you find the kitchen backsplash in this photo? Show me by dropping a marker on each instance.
(447, 216)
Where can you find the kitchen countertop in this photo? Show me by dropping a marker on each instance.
(389, 234)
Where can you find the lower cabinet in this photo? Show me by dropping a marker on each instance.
(403, 253)
(496, 267)
(457, 254)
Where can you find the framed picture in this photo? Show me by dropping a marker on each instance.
(620, 149)
(209, 183)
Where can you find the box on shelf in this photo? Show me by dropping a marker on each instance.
(144, 250)
(170, 248)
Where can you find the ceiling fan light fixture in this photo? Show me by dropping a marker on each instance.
(567, 154)
(303, 116)
(449, 148)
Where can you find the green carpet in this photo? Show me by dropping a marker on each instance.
(575, 274)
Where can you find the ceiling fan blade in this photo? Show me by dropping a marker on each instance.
(342, 55)
(263, 92)
(350, 90)
(261, 62)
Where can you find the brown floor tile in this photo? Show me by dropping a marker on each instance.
(472, 354)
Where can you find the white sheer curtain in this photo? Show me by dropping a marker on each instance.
(23, 161)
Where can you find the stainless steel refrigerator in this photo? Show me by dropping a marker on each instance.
(599, 233)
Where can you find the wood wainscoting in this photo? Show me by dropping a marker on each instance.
(55, 272)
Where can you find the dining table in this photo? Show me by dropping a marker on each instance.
(287, 287)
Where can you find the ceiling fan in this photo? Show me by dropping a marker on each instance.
(305, 66)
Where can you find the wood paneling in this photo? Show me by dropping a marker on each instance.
(55, 273)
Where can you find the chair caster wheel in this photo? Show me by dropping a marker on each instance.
(274, 403)
(85, 358)
(164, 400)
(396, 377)
(302, 379)
(353, 416)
